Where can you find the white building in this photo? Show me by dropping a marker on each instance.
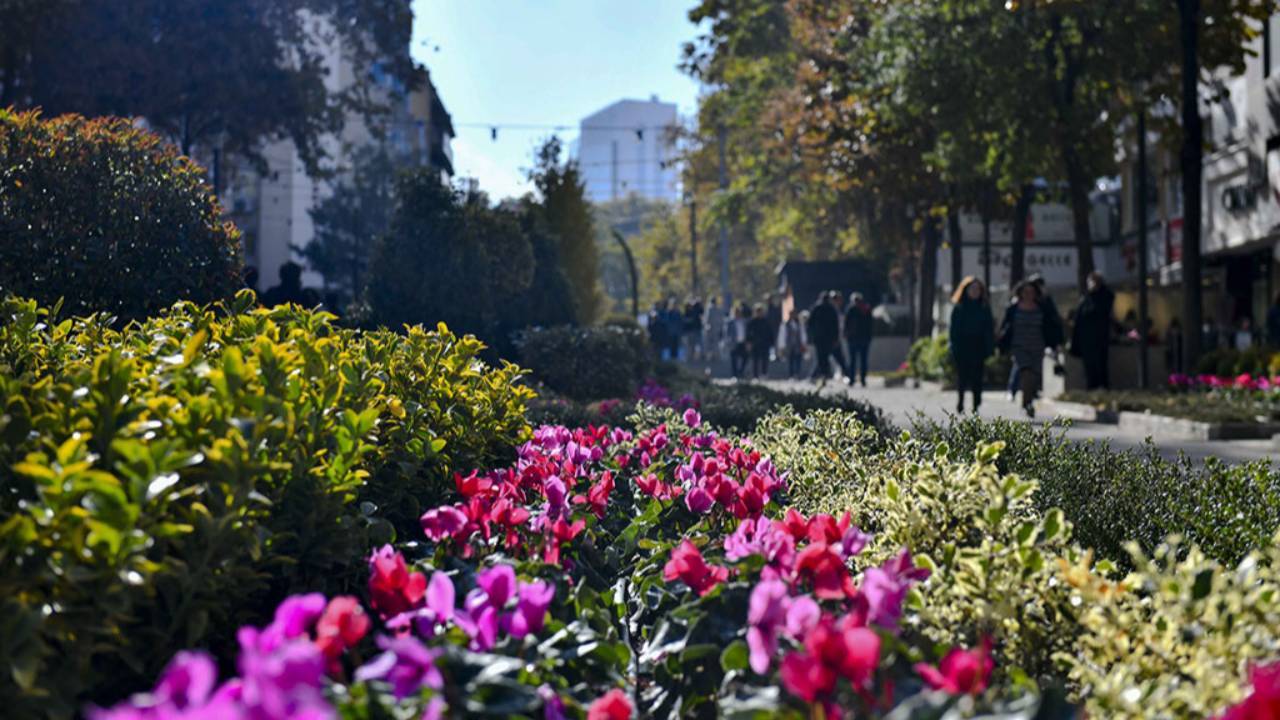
(273, 209)
(628, 148)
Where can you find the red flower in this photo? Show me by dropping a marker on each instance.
(821, 565)
(473, 485)
(613, 705)
(1264, 702)
(392, 588)
(688, 566)
(339, 628)
(598, 495)
(795, 524)
(806, 677)
(961, 672)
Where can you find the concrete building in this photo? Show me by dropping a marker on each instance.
(628, 148)
(273, 208)
(1240, 236)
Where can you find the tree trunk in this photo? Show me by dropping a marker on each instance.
(1078, 184)
(1192, 159)
(1018, 243)
(928, 278)
(957, 248)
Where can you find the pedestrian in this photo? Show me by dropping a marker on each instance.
(673, 319)
(760, 337)
(1028, 330)
(739, 354)
(857, 335)
(824, 333)
(1046, 302)
(837, 299)
(693, 329)
(657, 329)
(1244, 334)
(773, 311)
(792, 342)
(289, 290)
(1273, 322)
(1091, 332)
(713, 329)
(1173, 347)
(972, 336)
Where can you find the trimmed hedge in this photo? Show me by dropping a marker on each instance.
(106, 217)
(587, 363)
(173, 480)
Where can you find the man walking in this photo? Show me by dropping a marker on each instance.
(824, 331)
(857, 334)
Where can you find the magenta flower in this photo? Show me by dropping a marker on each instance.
(698, 500)
(406, 664)
(499, 584)
(802, 614)
(185, 688)
(531, 610)
(443, 522)
(766, 616)
(763, 537)
(852, 543)
(692, 418)
(283, 682)
(552, 705)
(884, 589)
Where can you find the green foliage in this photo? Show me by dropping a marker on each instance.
(1113, 497)
(1230, 362)
(592, 363)
(447, 257)
(349, 221)
(176, 478)
(930, 359)
(564, 208)
(1213, 406)
(105, 217)
(233, 74)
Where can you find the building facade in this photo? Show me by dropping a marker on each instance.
(628, 148)
(272, 206)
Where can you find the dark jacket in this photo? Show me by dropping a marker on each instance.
(760, 335)
(857, 324)
(1091, 334)
(972, 332)
(1052, 323)
(1273, 326)
(824, 324)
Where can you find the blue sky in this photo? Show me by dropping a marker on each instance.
(544, 62)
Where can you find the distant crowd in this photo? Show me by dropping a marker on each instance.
(755, 336)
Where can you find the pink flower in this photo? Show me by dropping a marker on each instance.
(760, 537)
(613, 705)
(1264, 702)
(692, 418)
(531, 610)
(884, 589)
(821, 565)
(806, 677)
(341, 626)
(406, 664)
(443, 522)
(961, 672)
(688, 566)
(766, 616)
(698, 500)
(392, 588)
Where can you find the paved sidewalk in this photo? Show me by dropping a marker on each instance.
(903, 404)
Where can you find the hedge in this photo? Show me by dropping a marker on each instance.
(174, 479)
(104, 216)
(587, 363)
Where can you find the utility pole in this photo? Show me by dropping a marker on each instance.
(1189, 17)
(693, 240)
(1144, 380)
(724, 228)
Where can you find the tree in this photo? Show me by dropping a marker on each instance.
(105, 217)
(447, 257)
(350, 220)
(220, 74)
(566, 213)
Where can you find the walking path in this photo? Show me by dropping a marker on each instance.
(902, 404)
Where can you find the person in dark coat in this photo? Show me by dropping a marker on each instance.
(1273, 322)
(773, 312)
(760, 340)
(1028, 329)
(973, 338)
(1091, 334)
(824, 333)
(289, 290)
(857, 336)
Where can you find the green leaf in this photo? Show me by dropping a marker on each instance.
(735, 657)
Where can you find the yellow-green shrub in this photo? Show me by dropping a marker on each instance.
(171, 480)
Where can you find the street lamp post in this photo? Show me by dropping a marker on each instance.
(693, 240)
(1143, 367)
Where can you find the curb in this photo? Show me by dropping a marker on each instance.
(1077, 411)
(1172, 428)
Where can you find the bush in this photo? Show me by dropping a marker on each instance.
(588, 363)
(106, 217)
(176, 478)
(930, 359)
(1113, 497)
(1230, 362)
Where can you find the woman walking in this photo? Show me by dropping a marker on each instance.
(972, 338)
(792, 342)
(1028, 329)
(760, 339)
